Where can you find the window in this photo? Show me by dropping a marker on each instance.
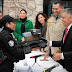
(67, 4)
(1, 5)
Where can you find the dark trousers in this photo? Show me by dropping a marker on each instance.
(68, 68)
(6, 66)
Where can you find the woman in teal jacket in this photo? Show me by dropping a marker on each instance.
(22, 25)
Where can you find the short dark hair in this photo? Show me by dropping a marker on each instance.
(58, 2)
(23, 10)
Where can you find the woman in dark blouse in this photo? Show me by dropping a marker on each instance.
(41, 23)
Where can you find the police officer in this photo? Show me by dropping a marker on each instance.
(10, 51)
(55, 26)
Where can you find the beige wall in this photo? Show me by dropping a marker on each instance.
(12, 7)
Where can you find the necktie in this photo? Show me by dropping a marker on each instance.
(65, 34)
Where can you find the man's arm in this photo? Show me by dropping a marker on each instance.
(56, 43)
(14, 49)
(67, 55)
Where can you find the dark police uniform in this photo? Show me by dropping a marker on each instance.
(11, 51)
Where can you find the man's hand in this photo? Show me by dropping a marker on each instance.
(22, 39)
(56, 56)
(58, 50)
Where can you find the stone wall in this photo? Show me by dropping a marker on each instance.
(13, 7)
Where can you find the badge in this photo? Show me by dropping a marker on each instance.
(60, 24)
(11, 43)
(49, 24)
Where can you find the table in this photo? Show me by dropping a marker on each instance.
(26, 64)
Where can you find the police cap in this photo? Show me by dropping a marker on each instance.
(6, 19)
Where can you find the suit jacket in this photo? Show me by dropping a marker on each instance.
(66, 48)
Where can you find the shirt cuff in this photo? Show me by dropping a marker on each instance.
(50, 43)
(62, 56)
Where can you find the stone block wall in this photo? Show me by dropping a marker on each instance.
(13, 7)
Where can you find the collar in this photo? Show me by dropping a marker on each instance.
(8, 29)
(21, 21)
(68, 30)
(69, 26)
(59, 16)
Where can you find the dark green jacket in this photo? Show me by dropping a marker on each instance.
(17, 32)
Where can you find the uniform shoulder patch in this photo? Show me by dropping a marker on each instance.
(11, 43)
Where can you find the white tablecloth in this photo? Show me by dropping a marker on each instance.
(26, 64)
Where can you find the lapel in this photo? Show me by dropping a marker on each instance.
(68, 34)
(63, 37)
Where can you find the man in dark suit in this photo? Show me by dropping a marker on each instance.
(65, 55)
